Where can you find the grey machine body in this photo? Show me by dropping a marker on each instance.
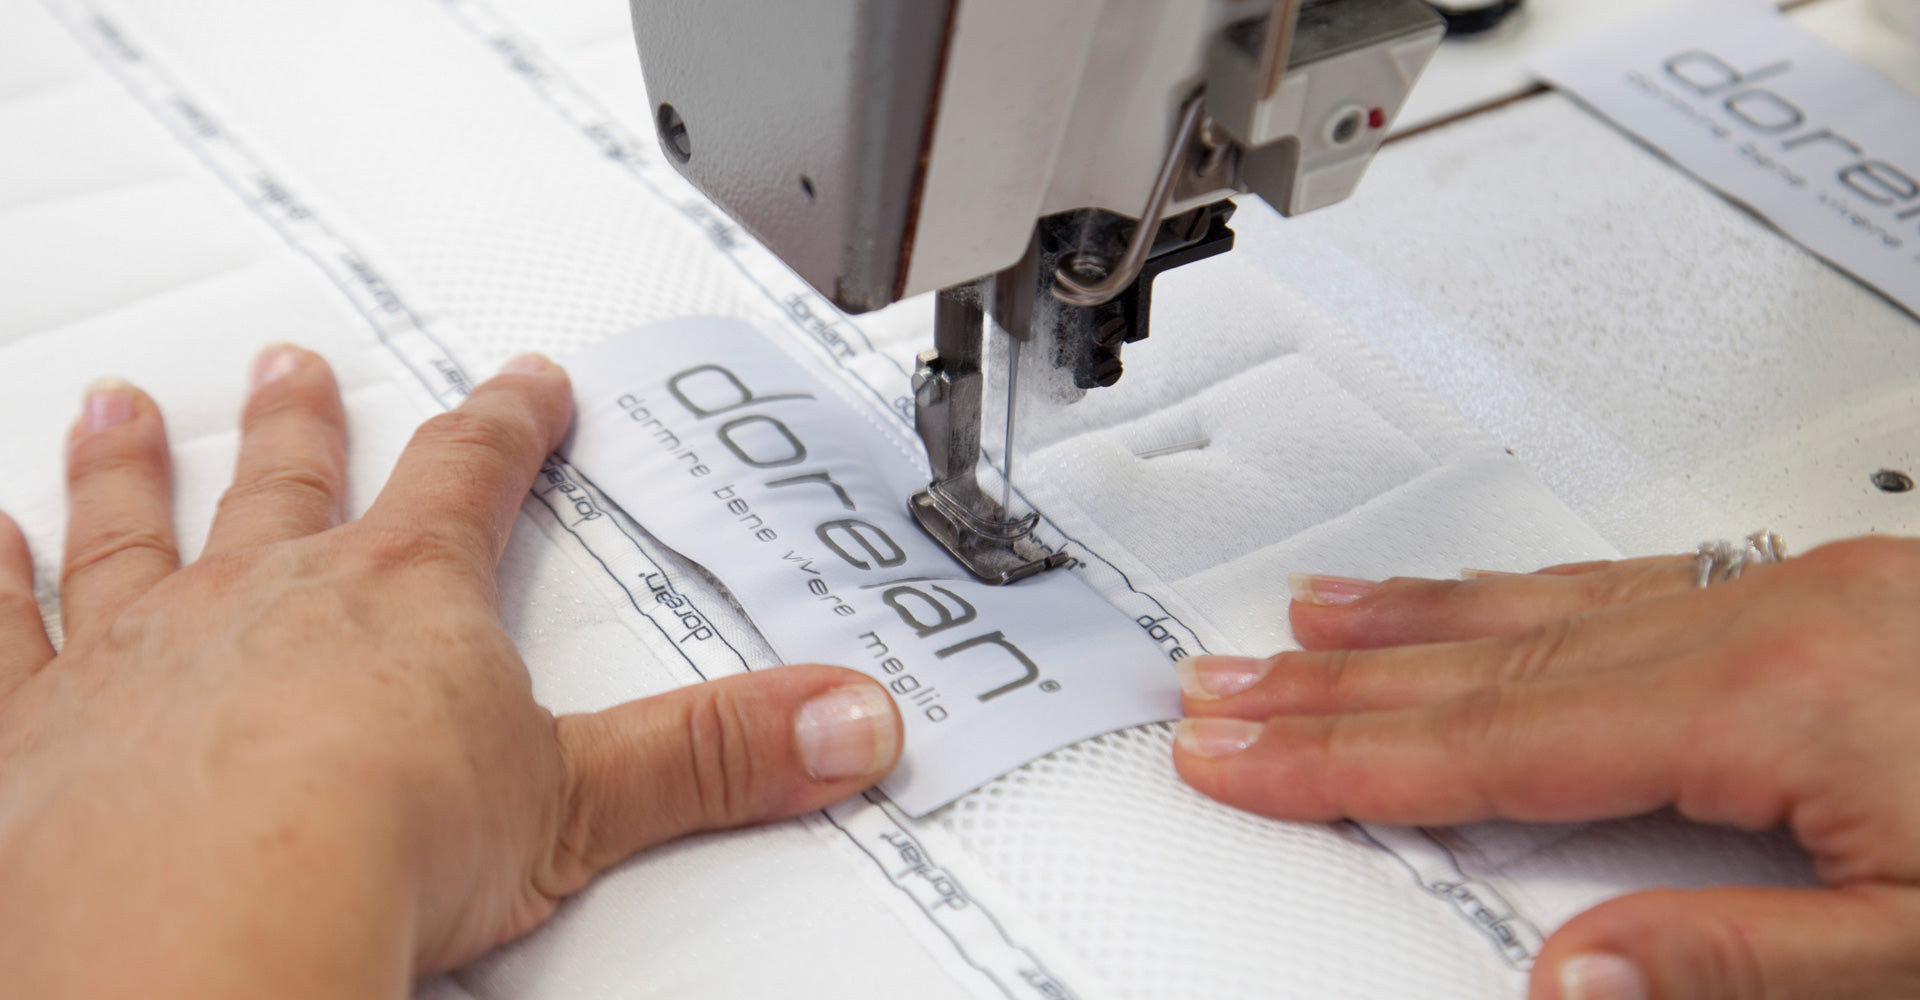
(1034, 164)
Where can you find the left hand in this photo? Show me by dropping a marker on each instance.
(310, 764)
(1789, 696)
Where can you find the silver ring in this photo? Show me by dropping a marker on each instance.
(1724, 560)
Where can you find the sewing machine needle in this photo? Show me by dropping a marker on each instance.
(1013, 398)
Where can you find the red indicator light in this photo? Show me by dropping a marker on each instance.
(1376, 118)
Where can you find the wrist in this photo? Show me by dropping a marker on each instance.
(131, 887)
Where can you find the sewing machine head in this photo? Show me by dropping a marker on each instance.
(1036, 164)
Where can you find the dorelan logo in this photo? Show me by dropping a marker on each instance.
(762, 441)
(1752, 99)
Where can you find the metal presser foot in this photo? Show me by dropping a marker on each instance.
(948, 386)
(997, 551)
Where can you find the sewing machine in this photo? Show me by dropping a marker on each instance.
(1035, 164)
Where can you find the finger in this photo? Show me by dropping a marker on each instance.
(1738, 944)
(1575, 568)
(463, 477)
(1371, 680)
(732, 752)
(24, 648)
(120, 508)
(1555, 750)
(1588, 566)
(291, 477)
(1338, 613)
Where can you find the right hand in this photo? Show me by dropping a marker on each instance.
(1788, 697)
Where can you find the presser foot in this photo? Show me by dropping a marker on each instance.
(996, 551)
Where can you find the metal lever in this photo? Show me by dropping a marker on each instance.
(1086, 280)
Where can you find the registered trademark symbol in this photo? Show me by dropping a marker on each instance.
(1049, 686)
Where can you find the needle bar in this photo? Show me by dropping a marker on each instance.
(1013, 400)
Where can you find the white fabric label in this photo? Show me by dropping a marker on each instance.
(796, 498)
(1824, 148)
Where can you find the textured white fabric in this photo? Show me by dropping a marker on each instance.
(491, 167)
(1670, 366)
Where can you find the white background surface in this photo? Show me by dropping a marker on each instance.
(1670, 368)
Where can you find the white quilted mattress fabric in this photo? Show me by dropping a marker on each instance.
(421, 188)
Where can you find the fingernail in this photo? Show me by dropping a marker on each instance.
(1209, 677)
(1601, 977)
(1481, 574)
(109, 403)
(1215, 737)
(1328, 591)
(527, 364)
(276, 362)
(848, 732)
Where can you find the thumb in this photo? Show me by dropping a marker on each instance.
(742, 750)
(1860, 942)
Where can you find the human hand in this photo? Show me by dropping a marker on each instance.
(310, 763)
(1789, 696)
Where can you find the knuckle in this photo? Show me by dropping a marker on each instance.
(580, 847)
(222, 572)
(1873, 560)
(1803, 684)
(1804, 657)
(302, 487)
(1622, 585)
(721, 762)
(106, 454)
(112, 542)
(456, 428)
(1741, 789)
(1537, 652)
(1725, 955)
(477, 432)
(1604, 589)
(1333, 674)
(1478, 721)
(1318, 776)
(402, 550)
(1478, 730)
